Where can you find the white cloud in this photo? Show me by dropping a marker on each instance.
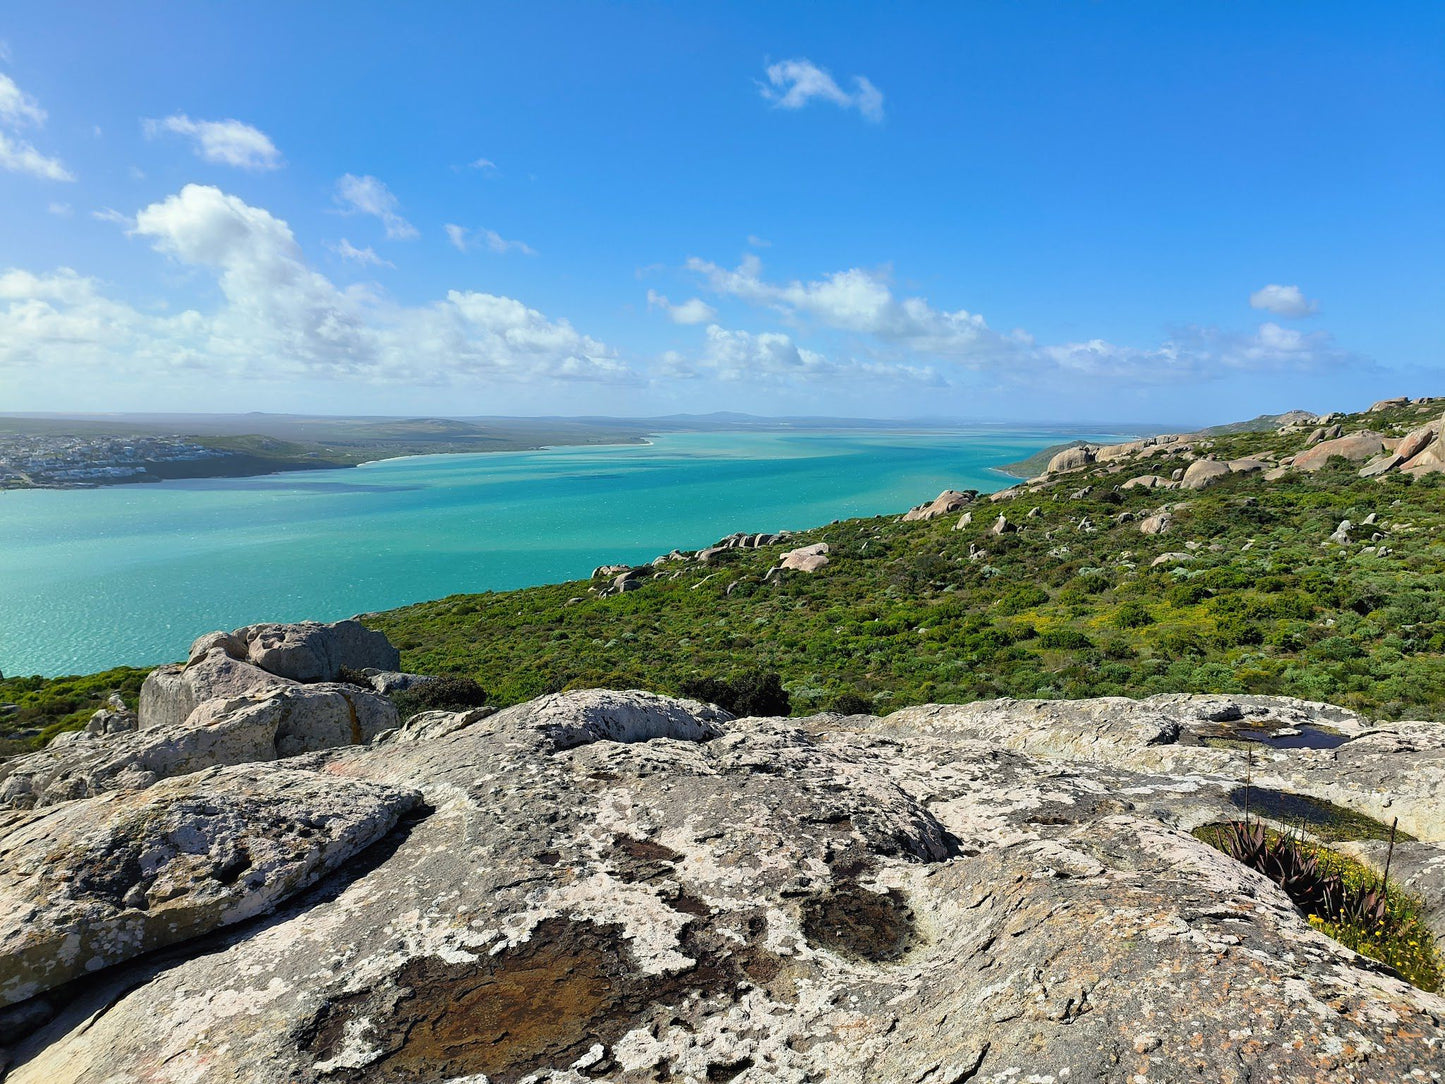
(19, 110)
(369, 196)
(279, 319)
(859, 301)
(693, 311)
(1287, 301)
(758, 242)
(464, 240)
(486, 165)
(900, 330)
(224, 142)
(18, 156)
(364, 256)
(792, 84)
(60, 210)
(773, 357)
(110, 214)
(16, 107)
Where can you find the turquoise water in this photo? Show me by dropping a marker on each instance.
(131, 574)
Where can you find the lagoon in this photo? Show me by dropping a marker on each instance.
(96, 578)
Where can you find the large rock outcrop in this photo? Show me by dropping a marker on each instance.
(625, 887)
(257, 658)
(1356, 447)
(217, 709)
(946, 503)
(280, 723)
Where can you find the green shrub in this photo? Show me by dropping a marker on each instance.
(439, 694)
(851, 703)
(1190, 593)
(1023, 597)
(1064, 639)
(753, 692)
(1132, 615)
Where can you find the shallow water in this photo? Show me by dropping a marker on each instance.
(131, 574)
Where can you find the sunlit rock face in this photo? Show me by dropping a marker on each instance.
(622, 886)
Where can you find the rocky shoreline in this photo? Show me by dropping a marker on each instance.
(267, 875)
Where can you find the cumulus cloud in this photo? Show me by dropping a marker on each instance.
(773, 357)
(465, 240)
(792, 84)
(366, 257)
(693, 311)
(902, 329)
(224, 142)
(19, 110)
(859, 301)
(279, 318)
(1287, 301)
(369, 196)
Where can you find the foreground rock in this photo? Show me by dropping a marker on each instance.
(99, 881)
(624, 887)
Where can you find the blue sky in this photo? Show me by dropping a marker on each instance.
(1044, 211)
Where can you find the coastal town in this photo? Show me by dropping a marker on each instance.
(29, 461)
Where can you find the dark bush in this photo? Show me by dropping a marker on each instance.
(350, 676)
(753, 692)
(440, 694)
(1064, 639)
(851, 703)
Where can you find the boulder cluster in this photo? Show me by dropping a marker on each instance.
(1421, 450)
(623, 578)
(261, 883)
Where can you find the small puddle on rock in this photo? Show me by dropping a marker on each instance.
(1325, 820)
(1271, 733)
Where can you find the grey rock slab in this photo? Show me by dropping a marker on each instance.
(94, 882)
(312, 651)
(283, 722)
(622, 887)
(170, 693)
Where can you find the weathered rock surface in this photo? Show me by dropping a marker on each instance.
(98, 881)
(170, 693)
(1080, 455)
(1158, 523)
(114, 718)
(1203, 473)
(1357, 447)
(1149, 481)
(311, 651)
(631, 888)
(238, 730)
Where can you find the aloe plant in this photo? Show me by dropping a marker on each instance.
(1288, 862)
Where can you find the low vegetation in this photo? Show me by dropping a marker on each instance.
(36, 709)
(1341, 897)
(1244, 593)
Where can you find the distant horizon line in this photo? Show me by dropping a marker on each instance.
(934, 420)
